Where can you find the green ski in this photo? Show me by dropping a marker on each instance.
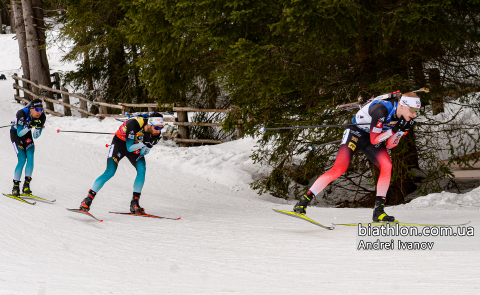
(19, 199)
(35, 197)
(301, 216)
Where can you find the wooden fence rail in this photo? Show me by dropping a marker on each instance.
(29, 88)
(197, 124)
(185, 109)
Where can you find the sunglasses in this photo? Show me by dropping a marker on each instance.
(38, 109)
(157, 127)
(413, 110)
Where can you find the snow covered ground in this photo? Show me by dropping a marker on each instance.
(228, 241)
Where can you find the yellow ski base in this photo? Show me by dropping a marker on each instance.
(400, 224)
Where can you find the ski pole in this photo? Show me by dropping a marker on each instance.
(58, 131)
(317, 126)
(6, 126)
(319, 145)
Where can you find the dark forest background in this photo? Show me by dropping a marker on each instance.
(288, 63)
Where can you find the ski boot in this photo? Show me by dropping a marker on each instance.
(26, 186)
(135, 206)
(85, 205)
(16, 188)
(301, 206)
(379, 214)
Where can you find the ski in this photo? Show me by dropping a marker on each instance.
(36, 197)
(145, 215)
(301, 216)
(19, 199)
(400, 224)
(84, 212)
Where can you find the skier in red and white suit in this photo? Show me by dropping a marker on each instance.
(380, 116)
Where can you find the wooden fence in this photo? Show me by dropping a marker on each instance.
(466, 173)
(32, 89)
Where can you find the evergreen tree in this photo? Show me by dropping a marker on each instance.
(291, 62)
(106, 59)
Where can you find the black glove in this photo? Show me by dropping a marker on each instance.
(408, 126)
(400, 124)
(149, 140)
(36, 123)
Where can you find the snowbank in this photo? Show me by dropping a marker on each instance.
(447, 200)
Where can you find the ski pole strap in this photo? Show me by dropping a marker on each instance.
(317, 126)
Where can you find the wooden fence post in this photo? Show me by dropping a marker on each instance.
(83, 106)
(66, 99)
(183, 131)
(101, 109)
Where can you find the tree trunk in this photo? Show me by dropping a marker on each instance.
(22, 40)
(4, 19)
(34, 58)
(12, 22)
(40, 25)
(83, 104)
(89, 76)
(140, 98)
(37, 8)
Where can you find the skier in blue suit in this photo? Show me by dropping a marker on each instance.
(27, 126)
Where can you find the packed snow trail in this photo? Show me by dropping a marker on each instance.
(229, 241)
